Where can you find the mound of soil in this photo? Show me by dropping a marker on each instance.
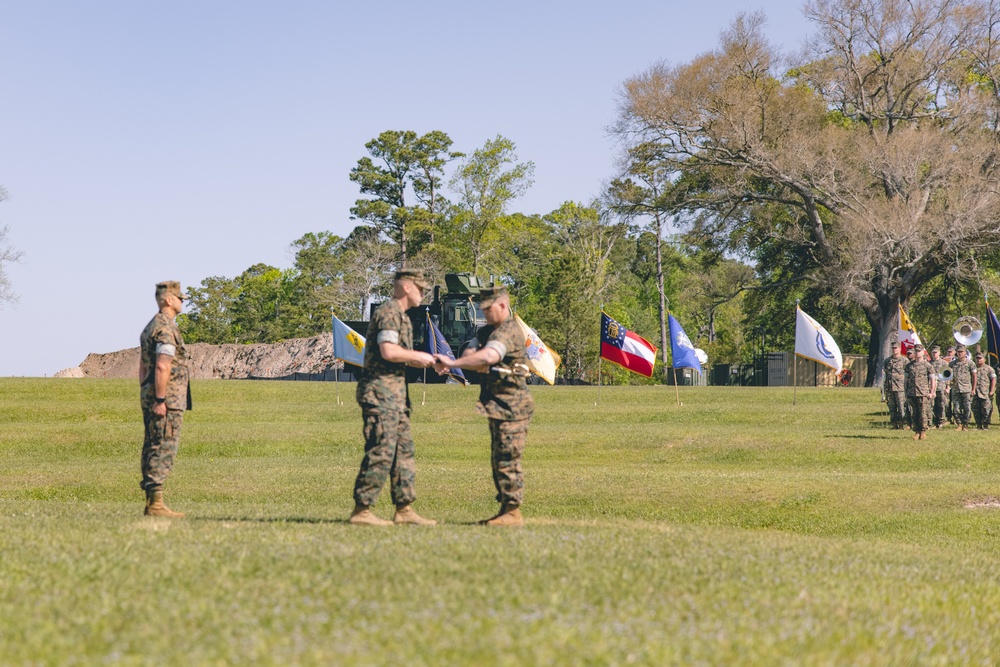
(294, 357)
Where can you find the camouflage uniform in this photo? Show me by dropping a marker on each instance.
(982, 401)
(893, 376)
(963, 374)
(919, 377)
(504, 398)
(385, 408)
(941, 398)
(162, 434)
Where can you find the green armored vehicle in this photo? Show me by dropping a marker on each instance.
(455, 312)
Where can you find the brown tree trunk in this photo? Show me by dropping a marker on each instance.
(884, 322)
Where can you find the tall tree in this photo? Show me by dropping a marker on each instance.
(644, 191)
(400, 164)
(871, 167)
(486, 182)
(8, 254)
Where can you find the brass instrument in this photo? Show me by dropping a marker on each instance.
(967, 330)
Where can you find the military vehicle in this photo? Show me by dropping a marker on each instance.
(455, 312)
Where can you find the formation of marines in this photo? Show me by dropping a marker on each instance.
(382, 393)
(924, 390)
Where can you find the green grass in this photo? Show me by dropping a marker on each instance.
(736, 529)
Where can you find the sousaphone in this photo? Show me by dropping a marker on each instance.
(967, 330)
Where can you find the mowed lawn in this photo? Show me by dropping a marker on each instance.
(735, 529)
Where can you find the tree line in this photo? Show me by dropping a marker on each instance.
(856, 176)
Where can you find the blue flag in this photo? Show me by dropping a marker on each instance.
(681, 348)
(992, 337)
(436, 344)
(348, 344)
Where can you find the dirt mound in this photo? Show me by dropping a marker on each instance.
(290, 358)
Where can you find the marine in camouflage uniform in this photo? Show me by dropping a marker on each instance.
(504, 398)
(920, 389)
(982, 397)
(893, 377)
(963, 382)
(384, 398)
(164, 394)
(949, 412)
(941, 396)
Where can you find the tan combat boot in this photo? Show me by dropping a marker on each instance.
(155, 506)
(510, 515)
(406, 514)
(362, 516)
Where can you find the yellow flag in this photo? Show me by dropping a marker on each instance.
(542, 361)
(907, 335)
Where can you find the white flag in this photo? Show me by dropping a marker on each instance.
(542, 361)
(814, 342)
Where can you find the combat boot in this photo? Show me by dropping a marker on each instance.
(510, 515)
(156, 507)
(406, 514)
(362, 516)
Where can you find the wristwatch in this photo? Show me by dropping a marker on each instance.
(160, 399)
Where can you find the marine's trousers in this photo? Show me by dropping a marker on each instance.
(940, 407)
(962, 407)
(159, 446)
(508, 438)
(895, 402)
(982, 408)
(389, 453)
(920, 409)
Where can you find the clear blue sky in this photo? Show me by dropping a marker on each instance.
(146, 141)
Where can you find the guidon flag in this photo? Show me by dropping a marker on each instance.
(542, 360)
(629, 350)
(348, 344)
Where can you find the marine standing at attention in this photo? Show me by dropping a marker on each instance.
(921, 384)
(164, 394)
(892, 386)
(941, 396)
(384, 398)
(982, 397)
(503, 398)
(963, 382)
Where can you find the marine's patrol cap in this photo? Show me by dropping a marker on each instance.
(895, 344)
(414, 275)
(935, 348)
(488, 295)
(980, 355)
(918, 347)
(170, 287)
(961, 348)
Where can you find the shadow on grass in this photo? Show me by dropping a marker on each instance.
(861, 437)
(298, 519)
(268, 519)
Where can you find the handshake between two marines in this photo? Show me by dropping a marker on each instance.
(504, 399)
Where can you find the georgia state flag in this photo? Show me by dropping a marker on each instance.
(628, 350)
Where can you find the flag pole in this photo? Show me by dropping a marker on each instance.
(677, 391)
(794, 359)
(600, 361)
(336, 380)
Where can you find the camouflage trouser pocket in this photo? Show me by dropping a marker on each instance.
(159, 449)
(508, 440)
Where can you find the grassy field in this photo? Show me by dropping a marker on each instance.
(736, 529)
